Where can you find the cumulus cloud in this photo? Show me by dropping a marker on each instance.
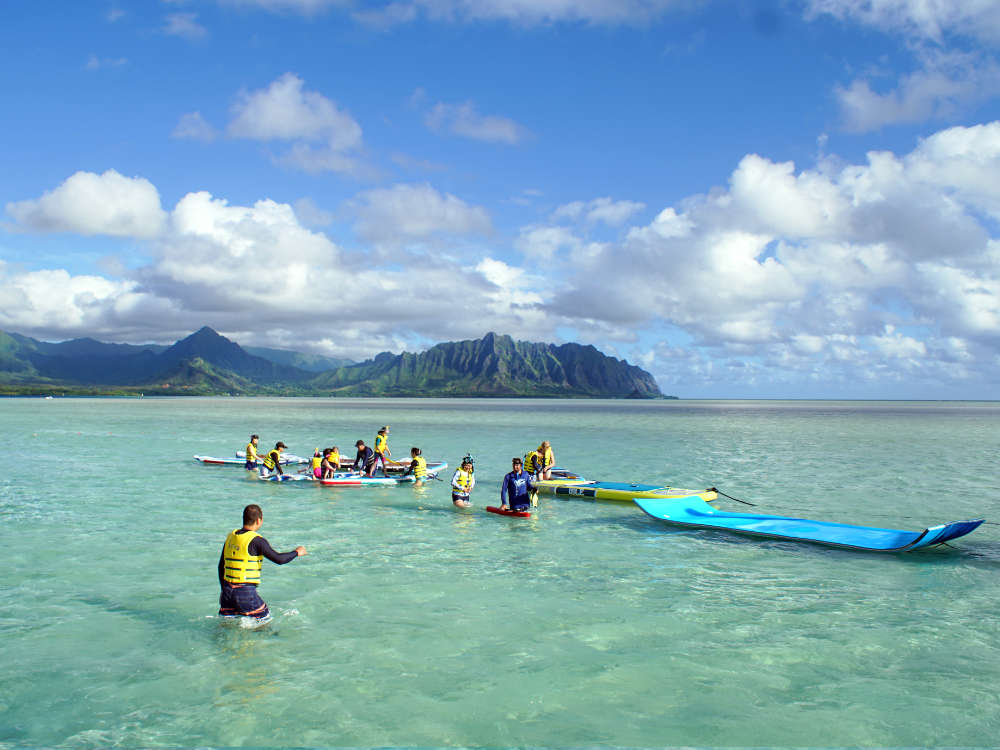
(464, 120)
(92, 204)
(799, 269)
(322, 136)
(406, 213)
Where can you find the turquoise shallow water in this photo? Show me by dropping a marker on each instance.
(411, 623)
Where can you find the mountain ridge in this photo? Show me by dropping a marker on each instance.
(207, 363)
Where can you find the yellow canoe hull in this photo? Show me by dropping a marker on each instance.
(620, 491)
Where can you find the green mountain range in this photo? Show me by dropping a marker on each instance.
(206, 363)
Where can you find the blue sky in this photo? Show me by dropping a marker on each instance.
(748, 199)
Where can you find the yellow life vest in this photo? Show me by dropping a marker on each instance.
(334, 459)
(420, 470)
(464, 480)
(316, 461)
(548, 459)
(272, 458)
(381, 441)
(532, 463)
(239, 566)
(251, 452)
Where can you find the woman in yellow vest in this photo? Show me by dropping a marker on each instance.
(462, 483)
(382, 451)
(240, 567)
(331, 462)
(418, 466)
(251, 453)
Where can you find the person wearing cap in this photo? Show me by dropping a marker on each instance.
(240, 566)
(251, 453)
(516, 487)
(272, 461)
(365, 460)
(382, 451)
(462, 482)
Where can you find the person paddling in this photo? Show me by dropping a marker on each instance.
(240, 567)
(462, 482)
(517, 487)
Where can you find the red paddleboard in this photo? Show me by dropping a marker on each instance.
(515, 513)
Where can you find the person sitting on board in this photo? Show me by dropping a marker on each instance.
(240, 567)
(462, 483)
(251, 453)
(365, 460)
(517, 487)
(331, 462)
(418, 466)
(540, 461)
(271, 463)
(382, 451)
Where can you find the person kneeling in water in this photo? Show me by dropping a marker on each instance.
(517, 486)
(240, 567)
(462, 483)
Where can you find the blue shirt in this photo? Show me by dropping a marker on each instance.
(517, 486)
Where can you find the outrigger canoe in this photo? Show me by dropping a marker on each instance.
(620, 491)
(694, 512)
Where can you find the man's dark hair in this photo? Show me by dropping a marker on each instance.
(252, 514)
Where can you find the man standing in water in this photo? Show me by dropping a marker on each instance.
(515, 491)
(251, 453)
(240, 567)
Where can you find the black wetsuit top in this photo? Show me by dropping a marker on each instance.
(258, 546)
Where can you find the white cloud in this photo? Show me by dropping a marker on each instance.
(930, 19)
(799, 270)
(520, 12)
(323, 137)
(405, 213)
(605, 210)
(943, 87)
(185, 25)
(195, 127)
(464, 120)
(97, 63)
(92, 204)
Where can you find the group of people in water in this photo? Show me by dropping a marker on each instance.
(326, 462)
(244, 549)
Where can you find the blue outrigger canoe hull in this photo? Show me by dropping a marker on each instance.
(693, 512)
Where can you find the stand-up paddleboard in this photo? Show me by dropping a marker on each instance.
(693, 512)
(289, 458)
(288, 478)
(215, 461)
(515, 513)
(360, 480)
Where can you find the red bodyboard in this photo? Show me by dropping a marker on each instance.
(515, 513)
